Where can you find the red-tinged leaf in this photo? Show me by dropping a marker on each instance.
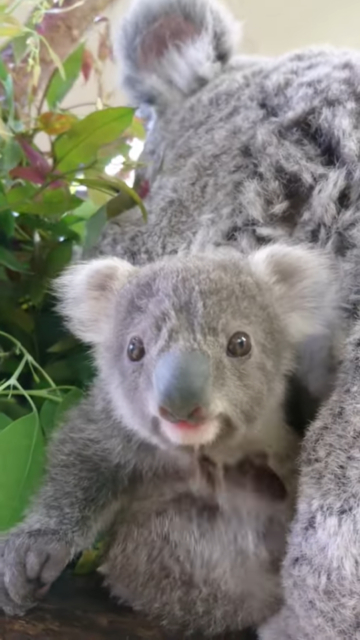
(143, 189)
(87, 64)
(35, 158)
(36, 177)
(56, 123)
(57, 184)
(44, 26)
(27, 173)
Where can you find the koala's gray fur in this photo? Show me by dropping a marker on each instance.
(241, 153)
(196, 531)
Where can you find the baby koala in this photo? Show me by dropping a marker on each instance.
(181, 451)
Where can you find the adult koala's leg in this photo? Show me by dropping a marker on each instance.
(321, 573)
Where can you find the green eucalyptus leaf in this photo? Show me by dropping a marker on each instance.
(80, 144)
(49, 203)
(124, 200)
(83, 212)
(21, 467)
(8, 366)
(20, 47)
(73, 368)
(37, 289)
(89, 561)
(94, 227)
(3, 71)
(12, 409)
(59, 87)
(60, 371)
(55, 229)
(15, 316)
(7, 223)
(3, 200)
(8, 260)
(48, 416)
(99, 184)
(7, 82)
(4, 421)
(58, 258)
(67, 343)
(19, 193)
(10, 155)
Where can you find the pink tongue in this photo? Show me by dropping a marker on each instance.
(186, 425)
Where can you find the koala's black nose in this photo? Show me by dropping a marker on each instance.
(181, 382)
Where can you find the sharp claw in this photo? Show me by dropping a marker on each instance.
(41, 593)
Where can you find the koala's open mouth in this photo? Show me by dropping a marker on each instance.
(190, 434)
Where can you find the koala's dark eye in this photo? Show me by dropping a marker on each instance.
(239, 345)
(136, 349)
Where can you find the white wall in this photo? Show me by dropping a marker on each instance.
(275, 26)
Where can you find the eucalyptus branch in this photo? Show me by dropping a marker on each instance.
(27, 392)
(26, 395)
(11, 381)
(44, 93)
(26, 359)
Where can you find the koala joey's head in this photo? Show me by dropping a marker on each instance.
(196, 348)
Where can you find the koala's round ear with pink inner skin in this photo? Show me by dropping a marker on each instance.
(304, 286)
(169, 49)
(86, 293)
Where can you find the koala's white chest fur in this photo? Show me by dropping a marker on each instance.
(269, 443)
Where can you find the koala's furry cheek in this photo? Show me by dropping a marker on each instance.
(129, 396)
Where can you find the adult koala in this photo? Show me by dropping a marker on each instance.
(245, 151)
(241, 152)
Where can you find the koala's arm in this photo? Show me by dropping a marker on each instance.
(321, 573)
(77, 500)
(82, 479)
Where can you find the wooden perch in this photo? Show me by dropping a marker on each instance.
(78, 608)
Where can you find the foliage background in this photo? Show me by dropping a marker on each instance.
(55, 198)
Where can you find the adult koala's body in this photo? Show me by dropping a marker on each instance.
(241, 152)
(246, 151)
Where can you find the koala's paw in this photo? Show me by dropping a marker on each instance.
(30, 562)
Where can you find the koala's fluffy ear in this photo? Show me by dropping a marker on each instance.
(303, 282)
(170, 48)
(86, 292)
